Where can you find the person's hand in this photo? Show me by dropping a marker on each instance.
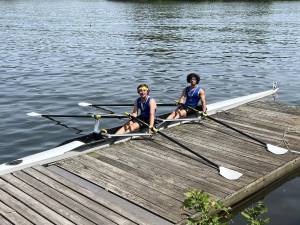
(152, 130)
(97, 116)
(127, 114)
(103, 131)
(204, 114)
(177, 102)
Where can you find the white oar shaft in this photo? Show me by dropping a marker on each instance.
(126, 135)
(95, 116)
(180, 120)
(87, 104)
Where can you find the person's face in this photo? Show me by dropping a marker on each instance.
(143, 92)
(193, 81)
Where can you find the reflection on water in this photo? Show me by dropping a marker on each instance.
(55, 54)
(280, 199)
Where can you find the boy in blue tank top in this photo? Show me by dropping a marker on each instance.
(145, 106)
(191, 95)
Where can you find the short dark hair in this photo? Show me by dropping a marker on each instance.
(143, 85)
(191, 75)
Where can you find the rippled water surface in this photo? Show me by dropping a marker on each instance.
(54, 54)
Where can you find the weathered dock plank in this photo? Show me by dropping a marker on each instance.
(250, 151)
(122, 170)
(275, 106)
(4, 221)
(176, 166)
(129, 189)
(117, 205)
(80, 213)
(143, 181)
(11, 216)
(156, 171)
(33, 197)
(231, 142)
(98, 213)
(23, 208)
(269, 128)
(261, 119)
(62, 204)
(178, 162)
(167, 160)
(218, 153)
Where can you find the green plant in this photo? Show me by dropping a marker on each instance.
(205, 208)
(254, 215)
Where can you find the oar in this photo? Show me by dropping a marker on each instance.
(179, 119)
(95, 116)
(127, 135)
(223, 171)
(271, 148)
(87, 104)
(78, 131)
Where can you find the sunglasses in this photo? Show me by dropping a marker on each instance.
(143, 89)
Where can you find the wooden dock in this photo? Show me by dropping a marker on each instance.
(143, 181)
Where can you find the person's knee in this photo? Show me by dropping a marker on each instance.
(182, 113)
(134, 126)
(126, 127)
(172, 115)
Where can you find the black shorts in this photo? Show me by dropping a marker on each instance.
(144, 120)
(190, 111)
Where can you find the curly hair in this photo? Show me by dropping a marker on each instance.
(191, 75)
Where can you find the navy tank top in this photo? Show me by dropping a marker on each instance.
(192, 96)
(144, 108)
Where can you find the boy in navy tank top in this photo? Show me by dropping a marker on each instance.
(190, 96)
(145, 106)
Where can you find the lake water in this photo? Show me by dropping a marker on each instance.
(54, 54)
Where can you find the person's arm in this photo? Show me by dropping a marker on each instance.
(203, 100)
(134, 110)
(152, 112)
(182, 98)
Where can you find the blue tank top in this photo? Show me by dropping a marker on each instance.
(144, 108)
(192, 96)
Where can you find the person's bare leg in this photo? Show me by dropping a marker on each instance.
(171, 116)
(181, 113)
(128, 127)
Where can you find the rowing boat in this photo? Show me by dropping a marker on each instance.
(95, 140)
